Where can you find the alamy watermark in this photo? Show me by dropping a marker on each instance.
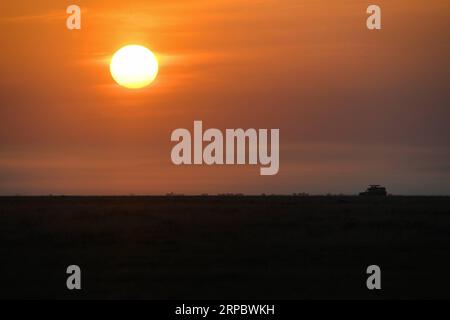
(74, 279)
(374, 280)
(73, 21)
(235, 147)
(374, 20)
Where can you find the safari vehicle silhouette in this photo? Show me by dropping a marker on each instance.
(374, 190)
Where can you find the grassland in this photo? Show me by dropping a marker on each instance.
(224, 247)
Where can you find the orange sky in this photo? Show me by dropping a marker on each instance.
(353, 106)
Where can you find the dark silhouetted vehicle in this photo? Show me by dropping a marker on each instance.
(374, 190)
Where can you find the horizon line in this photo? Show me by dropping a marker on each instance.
(231, 195)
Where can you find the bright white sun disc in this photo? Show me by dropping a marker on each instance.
(134, 67)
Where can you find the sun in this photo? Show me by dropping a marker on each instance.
(134, 67)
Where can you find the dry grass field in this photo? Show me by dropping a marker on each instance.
(224, 247)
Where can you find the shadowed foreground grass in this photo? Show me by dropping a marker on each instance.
(224, 247)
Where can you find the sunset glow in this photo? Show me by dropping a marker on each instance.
(354, 106)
